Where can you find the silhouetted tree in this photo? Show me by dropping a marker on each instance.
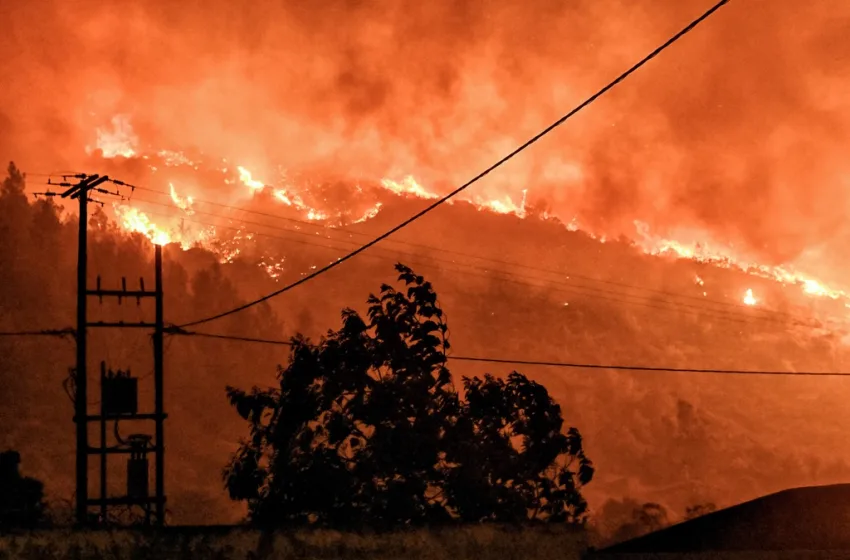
(648, 518)
(21, 498)
(699, 510)
(367, 427)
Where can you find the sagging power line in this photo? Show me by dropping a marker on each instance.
(540, 363)
(753, 315)
(475, 179)
(751, 312)
(69, 332)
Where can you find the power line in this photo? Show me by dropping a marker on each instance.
(702, 300)
(568, 365)
(179, 331)
(46, 332)
(649, 368)
(555, 285)
(475, 179)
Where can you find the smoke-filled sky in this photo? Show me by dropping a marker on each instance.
(736, 133)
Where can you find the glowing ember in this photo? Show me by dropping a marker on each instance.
(749, 299)
(316, 215)
(174, 159)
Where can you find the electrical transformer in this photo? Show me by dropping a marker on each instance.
(137, 466)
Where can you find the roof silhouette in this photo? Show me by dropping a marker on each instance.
(807, 518)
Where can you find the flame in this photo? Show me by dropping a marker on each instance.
(503, 206)
(119, 141)
(248, 180)
(723, 257)
(133, 220)
(184, 204)
(408, 186)
(281, 196)
(371, 213)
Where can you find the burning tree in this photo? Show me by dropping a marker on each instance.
(367, 427)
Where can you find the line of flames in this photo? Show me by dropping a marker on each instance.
(122, 142)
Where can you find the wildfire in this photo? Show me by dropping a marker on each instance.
(120, 141)
(503, 206)
(371, 213)
(408, 186)
(133, 220)
(175, 159)
(725, 258)
(248, 180)
(184, 204)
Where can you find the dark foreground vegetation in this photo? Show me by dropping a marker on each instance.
(368, 428)
(457, 543)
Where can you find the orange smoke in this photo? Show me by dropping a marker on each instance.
(736, 134)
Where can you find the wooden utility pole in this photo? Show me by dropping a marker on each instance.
(118, 393)
(159, 390)
(81, 192)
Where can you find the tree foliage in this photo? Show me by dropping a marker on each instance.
(367, 426)
(647, 518)
(698, 510)
(21, 498)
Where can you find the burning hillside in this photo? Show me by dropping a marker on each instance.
(241, 211)
(693, 216)
(736, 148)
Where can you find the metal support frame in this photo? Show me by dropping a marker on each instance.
(82, 418)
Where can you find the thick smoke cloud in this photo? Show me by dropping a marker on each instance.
(735, 133)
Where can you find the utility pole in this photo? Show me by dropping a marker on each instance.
(159, 389)
(119, 391)
(81, 192)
